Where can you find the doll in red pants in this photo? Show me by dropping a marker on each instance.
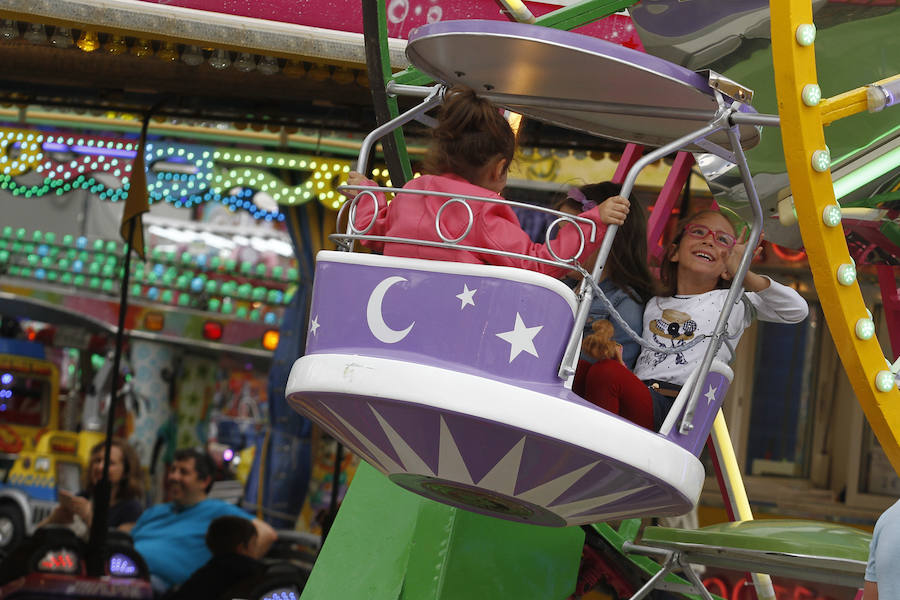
(607, 382)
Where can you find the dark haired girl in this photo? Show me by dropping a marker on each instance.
(626, 278)
(704, 255)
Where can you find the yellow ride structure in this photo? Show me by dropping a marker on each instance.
(802, 131)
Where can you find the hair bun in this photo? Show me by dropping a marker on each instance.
(463, 113)
(470, 132)
(600, 344)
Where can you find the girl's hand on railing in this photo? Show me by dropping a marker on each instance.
(614, 210)
(354, 178)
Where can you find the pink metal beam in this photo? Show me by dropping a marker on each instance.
(666, 200)
(632, 153)
(890, 299)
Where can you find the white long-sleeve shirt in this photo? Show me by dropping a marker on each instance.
(673, 321)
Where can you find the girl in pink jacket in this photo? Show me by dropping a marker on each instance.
(470, 155)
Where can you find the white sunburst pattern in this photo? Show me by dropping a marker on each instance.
(590, 491)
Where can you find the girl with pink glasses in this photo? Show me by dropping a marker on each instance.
(695, 275)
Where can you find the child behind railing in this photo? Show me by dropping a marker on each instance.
(699, 263)
(626, 278)
(470, 156)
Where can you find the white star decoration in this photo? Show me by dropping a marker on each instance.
(314, 324)
(466, 297)
(710, 395)
(521, 338)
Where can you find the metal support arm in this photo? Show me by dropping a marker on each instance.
(434, 98)
(737, 284)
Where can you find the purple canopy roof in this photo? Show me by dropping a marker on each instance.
(534, 61)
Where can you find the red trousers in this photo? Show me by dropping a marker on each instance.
(611, 386)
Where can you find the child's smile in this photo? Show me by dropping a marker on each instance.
(703, 255)
(707, 256)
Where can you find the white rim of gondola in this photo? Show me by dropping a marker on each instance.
(529, 410)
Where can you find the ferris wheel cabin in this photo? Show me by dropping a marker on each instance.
(453, 379)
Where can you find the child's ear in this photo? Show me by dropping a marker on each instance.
(673, 253)
(500, 168)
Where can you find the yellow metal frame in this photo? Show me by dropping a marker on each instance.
(848, 103)
(802, 134)
(737, 494)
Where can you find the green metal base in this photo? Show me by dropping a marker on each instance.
(804, 550)
(782, 536)
(390, 544)
(645, 566)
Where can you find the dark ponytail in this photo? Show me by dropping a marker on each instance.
(627, 265)
(470, 132)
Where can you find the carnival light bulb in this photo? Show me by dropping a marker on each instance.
(62, 38)
(116, 45)
(169, 52)
(192, 56)
(142, 48)
(846, 274)
(821, 160)
(865, 329)
(831, 215)
(885, 381)
(220, 60)
(268, 65)
(88, 41)
(36, 34)
(811, 94)
(245, 62)
(806, 34)
(9, 30)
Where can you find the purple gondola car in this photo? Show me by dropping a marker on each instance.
(443, 376)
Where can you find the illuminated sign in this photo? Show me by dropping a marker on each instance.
(122, 565)
(742, 589)
(59, 561)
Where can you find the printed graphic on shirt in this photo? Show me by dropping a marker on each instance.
(672, 330)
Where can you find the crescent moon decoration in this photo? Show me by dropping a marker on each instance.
(374, 315)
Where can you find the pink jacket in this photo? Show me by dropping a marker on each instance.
(494, 226)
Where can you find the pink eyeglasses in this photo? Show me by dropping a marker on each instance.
(722, 238)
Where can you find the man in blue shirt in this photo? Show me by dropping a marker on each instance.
(171, 536)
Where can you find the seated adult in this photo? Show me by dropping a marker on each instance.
(126, 491)
(76, 511)
(232, 541)
(171, 536)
